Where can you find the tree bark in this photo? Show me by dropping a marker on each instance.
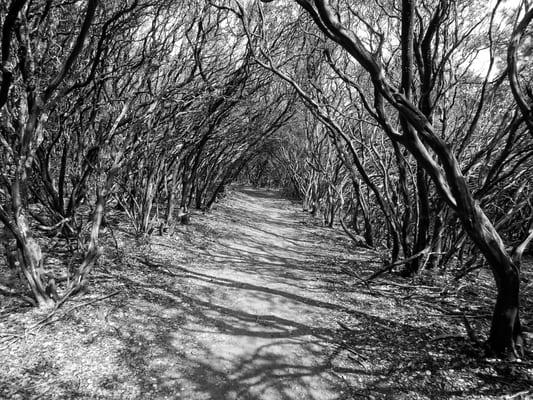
(437, 159)
(506, 330)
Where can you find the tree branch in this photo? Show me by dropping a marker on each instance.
(75, 51)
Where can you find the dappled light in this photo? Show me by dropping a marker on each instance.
(266, 199)
(251, 303)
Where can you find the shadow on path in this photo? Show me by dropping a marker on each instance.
(251, 317)
(251, 302)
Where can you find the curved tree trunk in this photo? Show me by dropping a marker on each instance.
(506, 330)
(434, 155)
(426, 145)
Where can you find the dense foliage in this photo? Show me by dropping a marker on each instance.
(409, 123)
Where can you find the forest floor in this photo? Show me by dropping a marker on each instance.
(256, 300)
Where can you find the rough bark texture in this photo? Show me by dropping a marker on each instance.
(435, 156)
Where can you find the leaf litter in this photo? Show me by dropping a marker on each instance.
(256, 300)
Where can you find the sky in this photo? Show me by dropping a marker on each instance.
(481, 64)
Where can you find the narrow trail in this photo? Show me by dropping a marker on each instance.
(245, 303)
(251, 313)
(259, 321)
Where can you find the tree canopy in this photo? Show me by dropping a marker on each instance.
(408, 123)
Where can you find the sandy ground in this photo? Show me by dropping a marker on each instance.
(245, 303)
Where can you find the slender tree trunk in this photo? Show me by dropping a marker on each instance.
(506, 330)
(437, 242)
(422, 225)
(171, 199)
(30, 258)
(146, 208)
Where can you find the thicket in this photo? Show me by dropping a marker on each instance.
(409, 123)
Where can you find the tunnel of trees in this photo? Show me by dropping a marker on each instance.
(407, 123)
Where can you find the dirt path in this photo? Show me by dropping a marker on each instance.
(263, 325)
(245, 303)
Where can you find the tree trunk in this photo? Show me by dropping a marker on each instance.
(437, 243)
(434, 155)
(30, 258)
(171, 200)
(422, 223)
(506, 330)
(30, 264)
